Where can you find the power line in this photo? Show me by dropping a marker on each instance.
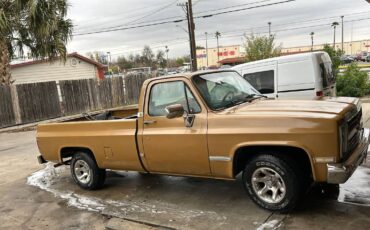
(181, 20)
(234, 6)
(177, 17)
(133, 22)
(184, 40)
(228, 33)
(295, 22)
(141, 9)
(127, 28)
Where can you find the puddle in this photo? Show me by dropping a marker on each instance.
(357, 189)
(47, 179)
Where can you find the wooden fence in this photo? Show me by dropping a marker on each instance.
(38, 101)
(28, 103)
(7, 117)
(133, 85)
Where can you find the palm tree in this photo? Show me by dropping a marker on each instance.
(39, 26)
(217, 35)
(334, 25)
(312, 34)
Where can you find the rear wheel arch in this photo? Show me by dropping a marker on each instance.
(68, 152)
(245, 154)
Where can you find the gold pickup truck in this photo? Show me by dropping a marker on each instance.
(216, 125)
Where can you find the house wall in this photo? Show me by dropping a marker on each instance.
(73, 69)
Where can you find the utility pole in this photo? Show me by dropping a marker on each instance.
(207, 47)
(342, 33)
(269, 23)
(192, 35)
(218, 34)
(188, 8)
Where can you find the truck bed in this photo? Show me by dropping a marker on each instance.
(113, 140)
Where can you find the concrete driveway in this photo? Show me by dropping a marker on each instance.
(35, 197)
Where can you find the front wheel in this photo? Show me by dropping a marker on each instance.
(272, 183)
(85, 171)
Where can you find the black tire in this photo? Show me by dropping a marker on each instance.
(281, 175)
(85, 172)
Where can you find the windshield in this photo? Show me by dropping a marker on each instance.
(224, 89)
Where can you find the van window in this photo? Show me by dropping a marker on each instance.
(262, 81)
(326, 70)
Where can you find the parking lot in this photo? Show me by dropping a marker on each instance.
(35, 197)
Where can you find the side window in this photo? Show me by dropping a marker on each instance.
(261, 81)
(169, 93)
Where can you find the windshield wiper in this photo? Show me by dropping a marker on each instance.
(247, 98)
(252, 97)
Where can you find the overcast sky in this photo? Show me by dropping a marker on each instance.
(291, 23)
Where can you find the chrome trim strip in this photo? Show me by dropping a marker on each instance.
(215, 158)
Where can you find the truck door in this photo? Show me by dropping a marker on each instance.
(169, 146)
(264, 79)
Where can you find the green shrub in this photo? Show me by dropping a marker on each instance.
(353, 82)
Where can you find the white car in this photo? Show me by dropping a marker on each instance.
(299, 76)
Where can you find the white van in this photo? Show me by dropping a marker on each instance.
(298, 76)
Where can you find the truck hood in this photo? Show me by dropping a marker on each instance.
(326, 105)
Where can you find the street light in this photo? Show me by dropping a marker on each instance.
(207, 48)
(342, 33)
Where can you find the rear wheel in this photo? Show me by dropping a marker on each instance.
(85, 171)
(273, 183)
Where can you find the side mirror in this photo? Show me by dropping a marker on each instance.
(174, 111)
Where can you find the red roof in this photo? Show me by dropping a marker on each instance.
(232, 60)
(75, 55)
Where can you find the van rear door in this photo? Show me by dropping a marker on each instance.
(326, 75)
(263, 78)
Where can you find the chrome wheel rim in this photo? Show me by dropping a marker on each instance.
(268, 185)
(82, 171)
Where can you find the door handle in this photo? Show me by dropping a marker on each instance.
(148, 122)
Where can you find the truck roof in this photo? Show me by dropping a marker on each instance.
(191, 74)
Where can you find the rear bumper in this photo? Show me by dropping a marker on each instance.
(339, 173)
(41, 159)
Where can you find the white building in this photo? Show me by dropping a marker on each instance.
(76, 67)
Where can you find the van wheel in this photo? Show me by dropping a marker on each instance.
(272, 183)
(85, 171)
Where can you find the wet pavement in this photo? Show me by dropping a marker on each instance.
(35, 197)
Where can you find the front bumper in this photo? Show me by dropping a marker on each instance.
(339, 173)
